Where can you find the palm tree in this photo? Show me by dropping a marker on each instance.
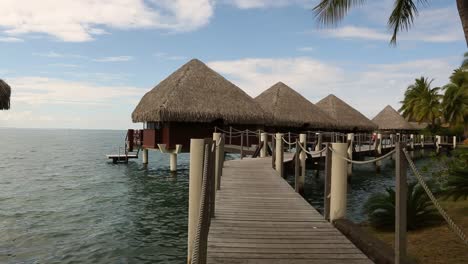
(455, 101)
(380, 209)
(421, 102)
(401, 18)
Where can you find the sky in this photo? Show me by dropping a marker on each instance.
(86, 63)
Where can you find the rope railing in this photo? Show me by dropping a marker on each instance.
(454, 227)
(287, 142)
(311, 152)
(365, 161)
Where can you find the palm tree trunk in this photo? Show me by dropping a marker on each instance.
(462, 6)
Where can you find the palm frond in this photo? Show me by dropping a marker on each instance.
(402, 16)
(330, 12)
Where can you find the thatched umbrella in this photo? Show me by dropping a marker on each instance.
(390, 119)
(196, 93)
(290, 109)
(346, 116)
(5, 93)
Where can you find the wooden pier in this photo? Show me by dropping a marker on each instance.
(259, 218)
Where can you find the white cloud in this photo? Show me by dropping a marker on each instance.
(306, 49)
(114, 59)
(368, 90)
(78, 21)
(53, 54)
(165, 56)
(10, 39)
(255, 75)
(353, 32)
(248, 4)
(437, 25)
(42, 90)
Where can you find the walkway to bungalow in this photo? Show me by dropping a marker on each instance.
(259, 218)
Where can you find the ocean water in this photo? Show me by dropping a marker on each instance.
(61, 201)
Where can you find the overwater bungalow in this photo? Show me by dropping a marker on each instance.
(5, 93)
(389, 120)
(291, 111)
(347, 118)
(190, 103)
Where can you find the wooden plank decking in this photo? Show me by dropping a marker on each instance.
(260, 219)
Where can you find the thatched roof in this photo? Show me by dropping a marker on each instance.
(5, 93)
(346, 116)
(390, 119)
(196, 93)
(289, 108)
(418, 126)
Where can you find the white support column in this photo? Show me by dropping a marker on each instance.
(412, 142)
(339, 182)
(279, 154)
(303, 157)
(264, 139)
(173, 162)
(145, 156)
(454, 142)
(195, 185)
(350, 153)
(422, 141)
(173, 155)
(319, 142)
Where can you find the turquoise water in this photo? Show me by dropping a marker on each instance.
(61, 201)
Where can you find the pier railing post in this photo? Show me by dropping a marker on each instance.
(319, 142)
(438, 142)
(264, 139)
(454, 142)
(326, 193)
(350, 142)
(197, 149)
(279, 154)
(422, 141)
(298, 184)
(218, 140)
(303, 157)
(230, 135)
(242, 145)
(412, 141)
(400, 203)
(378, 149)
(338, 189)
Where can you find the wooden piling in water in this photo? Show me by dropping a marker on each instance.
(401, 192)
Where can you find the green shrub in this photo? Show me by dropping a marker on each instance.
(380, 209)
(456, 185)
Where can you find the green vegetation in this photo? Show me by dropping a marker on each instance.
(422, 103)
(330, 12)
(453, 178)
(380, 209)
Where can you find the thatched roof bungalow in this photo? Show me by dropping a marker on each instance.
(390, 120)
(346, 117)
(5, 93)
(191, 102)
(289, 109)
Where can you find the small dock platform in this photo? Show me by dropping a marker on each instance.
(122, 158)
(259, 218)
